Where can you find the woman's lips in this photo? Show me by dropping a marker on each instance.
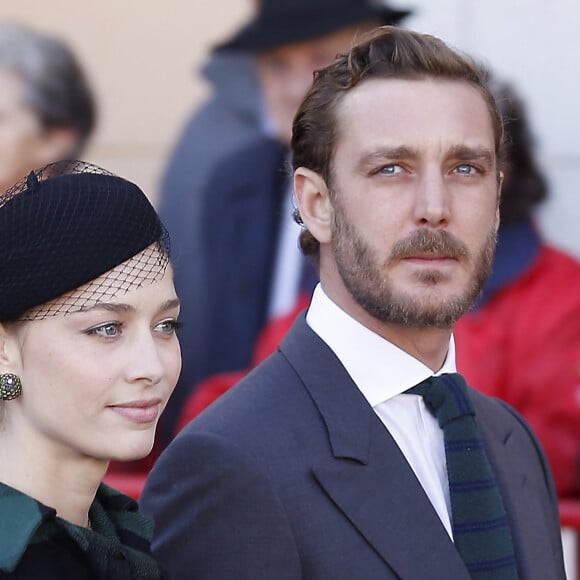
(138, 411)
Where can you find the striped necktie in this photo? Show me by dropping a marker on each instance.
(480, 527)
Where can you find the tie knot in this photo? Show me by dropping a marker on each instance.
(445, 397)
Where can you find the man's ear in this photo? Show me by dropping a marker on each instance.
(497, 211)
(313, 200)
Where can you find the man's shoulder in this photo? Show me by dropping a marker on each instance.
(492, 410)
(272, 385)
(277, 392)
(267, 415)
(503, 425)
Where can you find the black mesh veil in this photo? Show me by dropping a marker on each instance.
(72, 235)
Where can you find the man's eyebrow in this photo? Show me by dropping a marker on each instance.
(466, 153)
(461, 152)
(386, 153)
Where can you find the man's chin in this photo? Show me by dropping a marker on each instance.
(419, 310)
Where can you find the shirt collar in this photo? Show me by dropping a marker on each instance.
(380, 369)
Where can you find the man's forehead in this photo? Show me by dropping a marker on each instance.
(399, 89)
(408, 112)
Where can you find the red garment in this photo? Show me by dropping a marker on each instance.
(523, 346)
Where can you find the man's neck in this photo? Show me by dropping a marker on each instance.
(428, 344)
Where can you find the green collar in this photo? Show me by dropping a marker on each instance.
(24, 520)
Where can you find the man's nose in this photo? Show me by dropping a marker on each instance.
(432, 203)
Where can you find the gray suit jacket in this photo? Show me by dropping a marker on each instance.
(292, 475)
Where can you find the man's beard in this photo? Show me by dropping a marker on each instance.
(369, 284)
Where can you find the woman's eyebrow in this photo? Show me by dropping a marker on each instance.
(109, 306)
(122, 307)
(169, 305)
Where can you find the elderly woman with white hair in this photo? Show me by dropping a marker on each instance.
(47, 109)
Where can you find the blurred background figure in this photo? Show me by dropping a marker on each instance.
(47, 110)
(226, 198)
(521, 342)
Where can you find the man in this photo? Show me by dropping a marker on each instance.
(319, 464)
(47, 110)
(228, 177)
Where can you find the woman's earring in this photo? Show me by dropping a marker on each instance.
(10, 387)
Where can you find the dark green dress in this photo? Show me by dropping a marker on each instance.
(36, 544)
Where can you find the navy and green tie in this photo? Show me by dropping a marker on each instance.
(480, 527)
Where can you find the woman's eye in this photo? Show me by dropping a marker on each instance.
(109, 330)
(168, 326)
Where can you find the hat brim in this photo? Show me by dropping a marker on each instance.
(258, 35)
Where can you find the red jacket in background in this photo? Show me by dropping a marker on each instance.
(523, 346)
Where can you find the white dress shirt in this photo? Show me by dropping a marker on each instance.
(382, 372)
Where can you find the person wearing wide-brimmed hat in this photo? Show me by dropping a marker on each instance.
(259, 76)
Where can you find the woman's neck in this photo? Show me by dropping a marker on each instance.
(52, 476)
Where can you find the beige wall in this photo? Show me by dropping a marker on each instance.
(142, 58)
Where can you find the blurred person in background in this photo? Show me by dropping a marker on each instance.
(47, 109)
(521, 342)
(237, 262)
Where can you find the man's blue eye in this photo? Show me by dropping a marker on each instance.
(391, 169)
(465, 169)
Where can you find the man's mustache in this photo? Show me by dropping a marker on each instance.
(424, 241)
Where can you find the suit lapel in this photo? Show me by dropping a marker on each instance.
(529, 518)
(366, 475)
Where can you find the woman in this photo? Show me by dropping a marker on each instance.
(88, 359)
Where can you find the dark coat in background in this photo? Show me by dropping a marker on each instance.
(237, 243)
